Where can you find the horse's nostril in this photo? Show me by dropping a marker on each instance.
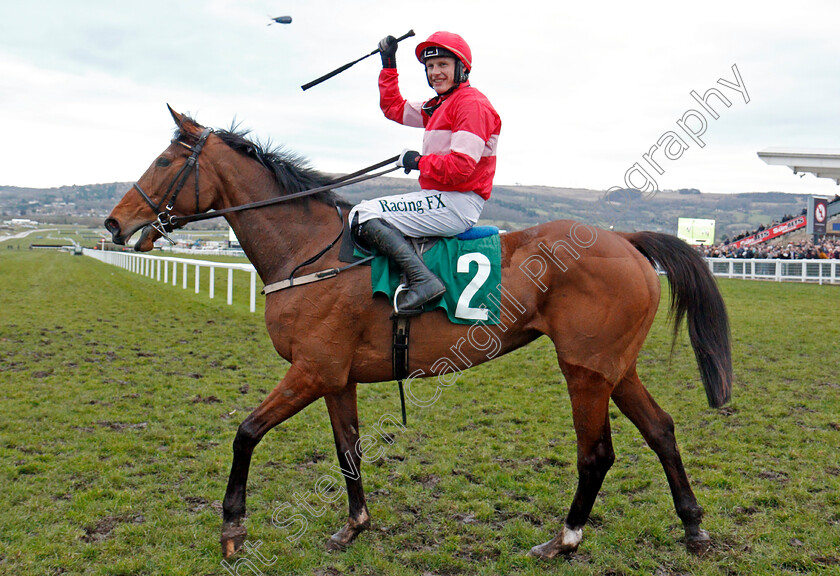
(112, 226)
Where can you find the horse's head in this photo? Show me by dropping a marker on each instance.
(170, 186)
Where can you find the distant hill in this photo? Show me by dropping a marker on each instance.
(516, 207)
(511, 207)
(88, 204)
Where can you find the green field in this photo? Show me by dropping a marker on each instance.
(121, 396)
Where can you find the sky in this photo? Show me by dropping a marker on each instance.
(584, 90)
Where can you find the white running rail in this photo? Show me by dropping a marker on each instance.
(168, 269)
(819, 271)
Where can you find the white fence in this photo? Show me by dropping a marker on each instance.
(168, 269)
(819, 271)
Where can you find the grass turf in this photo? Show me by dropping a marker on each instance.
(120, 398)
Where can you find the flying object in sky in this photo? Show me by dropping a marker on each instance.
(280, 20)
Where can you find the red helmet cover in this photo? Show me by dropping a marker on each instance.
(449, 41)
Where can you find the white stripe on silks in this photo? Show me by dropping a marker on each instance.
(411, 115)
(444, 142)
(491, 146)
(436, 141)
(467, 143)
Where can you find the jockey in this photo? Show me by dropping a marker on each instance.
(456, 167)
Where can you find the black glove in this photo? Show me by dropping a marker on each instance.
(410, 160)
(388, 52)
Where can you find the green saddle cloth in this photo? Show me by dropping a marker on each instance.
(470, 269)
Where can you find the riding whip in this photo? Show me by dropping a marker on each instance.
(341, 69)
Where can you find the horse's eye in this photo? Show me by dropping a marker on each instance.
(163, 162)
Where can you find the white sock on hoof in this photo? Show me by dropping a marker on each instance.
(571, 537)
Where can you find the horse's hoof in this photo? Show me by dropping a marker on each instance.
(543, 551)
(233, 536)
(549, 550)
(565, 543)
(699, 543)
(335, 544)
(344, 537)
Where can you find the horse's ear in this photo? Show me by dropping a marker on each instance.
(179, 119)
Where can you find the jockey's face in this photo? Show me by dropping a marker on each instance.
(441, 73)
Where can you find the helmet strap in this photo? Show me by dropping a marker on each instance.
(461, 72)
(429, 106)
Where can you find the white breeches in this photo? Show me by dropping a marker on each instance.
(424, 213)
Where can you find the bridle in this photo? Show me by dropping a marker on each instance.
(164, 222)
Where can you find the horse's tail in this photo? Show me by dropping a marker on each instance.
(695, 295)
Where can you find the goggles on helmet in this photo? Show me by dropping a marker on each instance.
(436, 52)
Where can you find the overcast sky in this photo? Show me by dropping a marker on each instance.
(584, 89)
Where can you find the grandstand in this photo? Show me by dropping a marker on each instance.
(788, 238)
(785, 239)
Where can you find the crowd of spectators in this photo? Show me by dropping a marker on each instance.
(784, 219)
(783, 249)
(805, 249)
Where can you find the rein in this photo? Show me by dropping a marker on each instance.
(315, 276)
(166, 221)
(360, 176)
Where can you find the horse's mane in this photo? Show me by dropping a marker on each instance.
(291, 170)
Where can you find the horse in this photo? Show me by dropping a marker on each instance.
(593, 292)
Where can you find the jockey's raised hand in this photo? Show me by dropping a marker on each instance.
(388, 52)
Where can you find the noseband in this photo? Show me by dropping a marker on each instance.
(163, 224)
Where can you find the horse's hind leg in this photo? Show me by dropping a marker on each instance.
(590, 395)
(298, 389)
(345, 424)
(657, 428)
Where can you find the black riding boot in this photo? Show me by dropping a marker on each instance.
(423, 286)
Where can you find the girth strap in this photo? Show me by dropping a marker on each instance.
(399, 354)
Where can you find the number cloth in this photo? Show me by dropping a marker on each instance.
(471, 271)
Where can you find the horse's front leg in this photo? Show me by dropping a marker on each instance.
(298, 389)
(345, 424)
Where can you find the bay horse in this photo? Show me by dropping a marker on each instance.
(593, 292)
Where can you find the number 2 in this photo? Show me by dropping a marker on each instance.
(463, 309)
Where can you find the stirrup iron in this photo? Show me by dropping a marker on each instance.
(397, 312)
